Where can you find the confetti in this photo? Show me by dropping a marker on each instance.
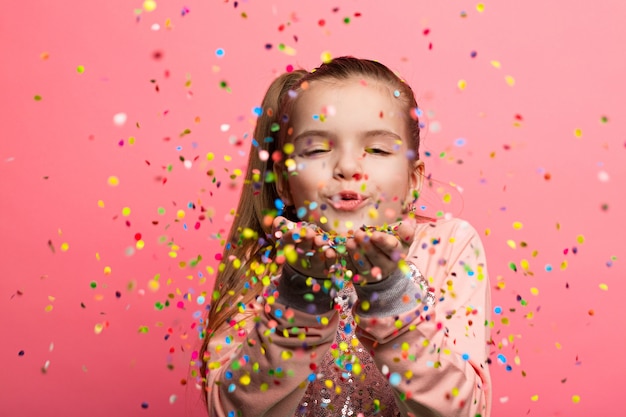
(119, 119)
(113, 181)
(149, 5)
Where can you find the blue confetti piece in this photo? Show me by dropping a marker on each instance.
(395, 379)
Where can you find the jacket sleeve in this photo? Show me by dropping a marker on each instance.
(260, 365)
(435, 357)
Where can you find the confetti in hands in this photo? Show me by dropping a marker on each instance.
(369, 254)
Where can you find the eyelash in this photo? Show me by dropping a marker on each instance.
(377, 151)
(313, 152)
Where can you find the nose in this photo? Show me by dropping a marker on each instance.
(348, 166)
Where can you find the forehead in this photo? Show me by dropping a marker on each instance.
(358, 100)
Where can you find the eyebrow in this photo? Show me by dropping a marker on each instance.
(329, 135)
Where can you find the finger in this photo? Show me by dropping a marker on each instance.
(359, 251)
(406, 231)
(384, 242)
(380, 250)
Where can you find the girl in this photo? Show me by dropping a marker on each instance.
(333, 298)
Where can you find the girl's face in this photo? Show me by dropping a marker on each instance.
(351, 153)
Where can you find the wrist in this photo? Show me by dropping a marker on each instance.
(398, 293)
(302, 293)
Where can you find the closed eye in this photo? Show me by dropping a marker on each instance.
(377, 151)
(313, 152)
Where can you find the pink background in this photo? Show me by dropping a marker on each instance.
(536, 152)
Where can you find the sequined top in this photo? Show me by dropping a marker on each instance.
(349, 394)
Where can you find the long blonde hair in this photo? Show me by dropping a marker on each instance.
(239, 279)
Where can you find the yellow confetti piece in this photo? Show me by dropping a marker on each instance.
(97, 329)
(290, 164)
(517, 225)
(153, 285)
(509, 80)
(107, 270)
(180, 214)
(328, 383)
(604, 287)
(564, 265)
(558, 345)
(461, 84)
(288, 148)
(113, 181)
(100, 203)
(140, 244)
(149, 5)
(126, 211)
(245, 380)
(210, 156)
(288, 50)
(326, 57)
(578, 133)
(80, 69)
(495, 64)
(524, 264)
(575, 399)
(447, 198)
(535, 397)
(49, 308)
(511, 244)
(487, 232)
(480, 7)
(64, 247)
(580, 239)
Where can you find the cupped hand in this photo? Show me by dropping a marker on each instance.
(304, 248)
(374, 255)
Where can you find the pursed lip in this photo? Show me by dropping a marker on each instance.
(347, 201)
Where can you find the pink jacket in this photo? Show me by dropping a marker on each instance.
(397, 357)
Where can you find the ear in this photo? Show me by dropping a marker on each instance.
(416, 178)
(282, 186)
